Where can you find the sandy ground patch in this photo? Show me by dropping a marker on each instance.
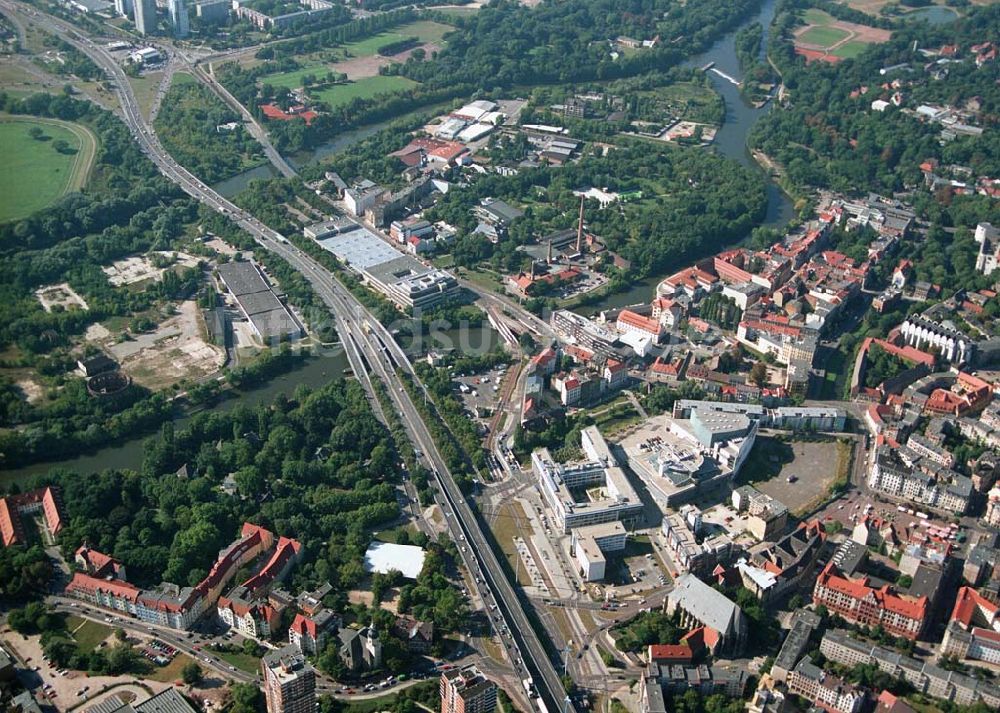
(30, 389)
(356, 596)
(221, 246)
(175, 350)
(815, 465)
(67, 688)
(362, 67)
(140, 268)
(61, 295)
(96, 333)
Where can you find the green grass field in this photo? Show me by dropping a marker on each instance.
(87, 634)
(33, 174)
(242, 661)
(812, 16)
(293, 80)
(458, 11)
(171, 672)
(363, 89)
(822, 36)
(423, 30)
(850, 50)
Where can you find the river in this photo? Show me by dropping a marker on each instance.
(730, 141)
(314, 372)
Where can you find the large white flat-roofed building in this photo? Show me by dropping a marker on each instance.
(383, 557)
(589, 493)
(402, 278)
(590, 545)
(678, 458)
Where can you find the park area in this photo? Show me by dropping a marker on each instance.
(360, 62)
(827, 39)
(43, 159)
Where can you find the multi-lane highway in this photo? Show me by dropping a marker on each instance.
(370, 348)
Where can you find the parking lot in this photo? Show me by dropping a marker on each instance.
(812, 466)
(478, 392)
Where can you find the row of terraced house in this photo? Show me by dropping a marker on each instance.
(248, 607)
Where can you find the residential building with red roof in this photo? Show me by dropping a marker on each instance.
(97, 564)
(169, 604)
(889, 703)
(284, 558)
(968, 394)
(615, 374)
(632, 322)
(299, 111)
(107, 593)
(667, 311)
(670, 654)
(544, 362)
(249, 607)
(310, 632)
(691, 281)
(857, 602)
(418, 636)
(251, 616)
(825, 690)
(13, 508)
(974, 629)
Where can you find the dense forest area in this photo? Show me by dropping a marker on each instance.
(695, 202)
(191, 125)
(507, 43)
(318, 467)
(827, 135)
(126, 208)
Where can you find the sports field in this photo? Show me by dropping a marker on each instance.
(423, 30)
(849, 50)
(828, 39)
(366, 88)
(822, 36)
(362, 61)
(33, 174)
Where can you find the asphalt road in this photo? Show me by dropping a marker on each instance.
(378, 347)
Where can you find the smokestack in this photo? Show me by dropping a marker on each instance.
(579, 231)
(548, 259)
(532, 273)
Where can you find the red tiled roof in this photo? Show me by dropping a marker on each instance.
(11, 527)
(273, 111)
(252, 536)
(670, 653)
(544, 356)
(97, 562)
(913, 608)
(287, 550)
(633, 319)
(701, 637)
(614, 366)
(86, 583)
(971, 606)
(10, 523)
(304, 626)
